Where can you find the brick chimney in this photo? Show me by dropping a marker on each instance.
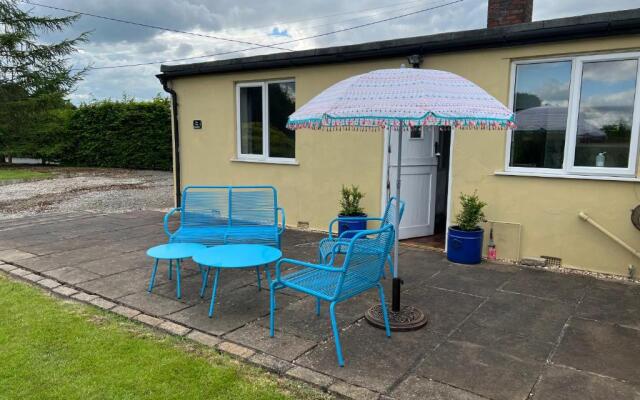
(509, 12)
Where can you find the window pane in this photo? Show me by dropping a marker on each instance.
(606, 113)
(251, 120)
(282, 103)
(541, 103)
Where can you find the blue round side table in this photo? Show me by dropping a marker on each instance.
(171, 252)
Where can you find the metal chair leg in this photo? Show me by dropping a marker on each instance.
(170, 269)
(383, 305)
(153, 275)
(205, 280)
(258, 275)
(178, 289)
(318, 306)
(336, 335)
(272, 308)
(213, 292)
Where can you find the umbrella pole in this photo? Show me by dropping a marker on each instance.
(405, 318)
(397, 282)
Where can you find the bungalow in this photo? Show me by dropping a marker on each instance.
(573, 83)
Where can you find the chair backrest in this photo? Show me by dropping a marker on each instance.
(389, 216)
(217, 206)
(365, 258)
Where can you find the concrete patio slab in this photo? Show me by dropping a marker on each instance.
(495, 331)
(561, 383)
(481, 370)
(602, 348)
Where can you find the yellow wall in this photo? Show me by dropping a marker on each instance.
(309, 192)
(546, 208)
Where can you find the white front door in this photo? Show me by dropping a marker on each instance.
(419, 171)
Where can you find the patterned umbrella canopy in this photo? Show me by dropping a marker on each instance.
(399, 98)
(409, 96)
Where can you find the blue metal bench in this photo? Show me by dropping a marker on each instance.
(215, 215)
(326, 246)
(361, 270)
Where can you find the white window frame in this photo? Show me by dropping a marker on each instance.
(568, 168)
(264, 157)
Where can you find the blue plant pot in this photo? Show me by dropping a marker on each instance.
(347, 224)
(464, 247)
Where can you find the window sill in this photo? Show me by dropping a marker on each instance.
(292, 161)
(568, 176)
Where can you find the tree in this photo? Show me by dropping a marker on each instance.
(34, 76)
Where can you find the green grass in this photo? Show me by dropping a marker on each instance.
(19, 173)
(50, 349)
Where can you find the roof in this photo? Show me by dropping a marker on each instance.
(584, 26)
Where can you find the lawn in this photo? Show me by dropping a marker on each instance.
(22, 173)
(51, 349)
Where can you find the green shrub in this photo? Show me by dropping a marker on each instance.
(121, 134)
(350, 201)
(471, 214)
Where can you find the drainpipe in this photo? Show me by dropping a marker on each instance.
(176, 135)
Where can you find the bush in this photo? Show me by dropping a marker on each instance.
(350, 202)
(471, 214)
(121, 134)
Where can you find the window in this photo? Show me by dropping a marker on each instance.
(575, 116)
(262, 112)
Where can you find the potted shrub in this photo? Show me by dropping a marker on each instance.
(350, 211)
(465, 238)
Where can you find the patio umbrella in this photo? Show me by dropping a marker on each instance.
(402, 98)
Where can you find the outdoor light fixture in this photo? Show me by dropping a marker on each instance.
(415, 60)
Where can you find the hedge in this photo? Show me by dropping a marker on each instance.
(120, 134)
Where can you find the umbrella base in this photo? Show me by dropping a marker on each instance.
(409, 318)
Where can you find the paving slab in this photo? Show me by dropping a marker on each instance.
(192, 282)
(102, 303)
(148, 319)
(6, 267)
(549, 285)
(352, 391)
(203, 338)
(174, 329)
(560, 383)
(602, 348)
(117, 263)
(371, 358)
(119, 285)
(309, 376)
(481, 280)
(613, 302)
(33, 277)
(152, 303)
(48, 283)
(232, 310)
(71, 275)
(417, 388)
(519, 325)
(284, 346)
(236, 349)
(13, 255)
(65, 291)
(300, 319)
(125, 311)
(271, 363)
(445, 309)
(480, 370)
(82, 296)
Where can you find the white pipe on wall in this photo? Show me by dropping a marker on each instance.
(613, 237)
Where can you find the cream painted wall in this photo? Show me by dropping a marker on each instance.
(309, 192)
(546, 208)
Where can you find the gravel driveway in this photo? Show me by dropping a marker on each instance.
(98, 190)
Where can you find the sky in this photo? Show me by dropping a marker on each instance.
(265, 22)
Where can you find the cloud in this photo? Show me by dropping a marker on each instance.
(113, 43)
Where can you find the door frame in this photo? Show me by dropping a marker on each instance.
(385, 171)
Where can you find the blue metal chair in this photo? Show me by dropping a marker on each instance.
(361, 270)
(326, 246)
